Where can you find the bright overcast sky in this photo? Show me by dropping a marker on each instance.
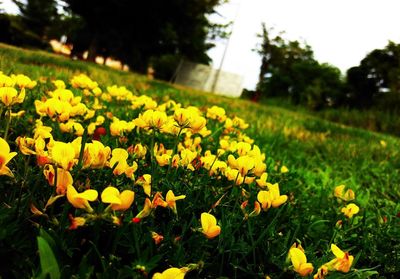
(341, 32)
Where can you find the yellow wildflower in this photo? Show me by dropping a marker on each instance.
(23, 81)
(217, 113)
(209, 225)
(299, 262)
(64, 178)
(284, 169)
(262, 181)
(145, 182)
(118, 201)
(5, 157)
(276, 198)
(350, 210)
(9, 96)
(172, 273)
(81, 200)
(63, 154)
(171, 200)
(264, 197)
(339, 192)
(342, 262)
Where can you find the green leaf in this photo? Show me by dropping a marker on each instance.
(48, 262)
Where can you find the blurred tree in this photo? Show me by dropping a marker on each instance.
(289, 70)
(38, 16)
(136, 31)
(377, 75)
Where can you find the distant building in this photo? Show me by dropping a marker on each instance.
(204, 77)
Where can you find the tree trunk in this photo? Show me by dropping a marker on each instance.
(92, 51)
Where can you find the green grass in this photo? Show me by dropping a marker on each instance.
(319, 154)
(377, 119)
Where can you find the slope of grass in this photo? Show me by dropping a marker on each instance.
(319, 154)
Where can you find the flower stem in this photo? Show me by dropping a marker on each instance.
(8, 121)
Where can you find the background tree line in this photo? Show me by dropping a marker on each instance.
(289, 71)
(138, 33)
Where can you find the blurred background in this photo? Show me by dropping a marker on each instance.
(328, 57)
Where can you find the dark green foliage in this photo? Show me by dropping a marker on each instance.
(289, 70)
(376, 81)
(38, 16)
(136, 32)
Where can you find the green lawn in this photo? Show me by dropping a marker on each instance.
(319, 155)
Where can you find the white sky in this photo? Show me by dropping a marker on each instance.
(341, 32)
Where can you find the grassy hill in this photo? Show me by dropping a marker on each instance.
(319, 155)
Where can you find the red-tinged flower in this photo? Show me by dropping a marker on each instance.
(76, 222)
(42, 160)
(157, 238)
(136, 220)
(100, 131)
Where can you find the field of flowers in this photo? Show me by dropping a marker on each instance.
(106, 174)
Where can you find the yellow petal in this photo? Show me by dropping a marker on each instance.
(337, 252)
(279, 201)
(213, 232)
(305, 269)
(4, 147)
(110, 195)
(89, 195)
(207, 221)
(297, 257)
(127, 197)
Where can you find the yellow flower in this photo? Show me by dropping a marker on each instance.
(9, 96)
(197, 124)
(299, 262)
(182, 116)
(172, 273)
(342, 262)
(262, 181)
(63, 154)
(140, 150)
(64, 178)
(59, 84)
(217, 113)
(339, 192)
(81, 200)
(76, 222)
(6, 81)
(120, 165)
(95, 155)
(264, 197)
(152, 119)
(276, 198)
(84, 82)
(5, 157)
(157, 237)
(321, 273)
(171, 200)
(244, 165)
(147, 208)
(23, 81)
(350, 210)
(209, 225)
(163, 159)
(119, 201)
(284, 169)
(145, 182)
(242, 148)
